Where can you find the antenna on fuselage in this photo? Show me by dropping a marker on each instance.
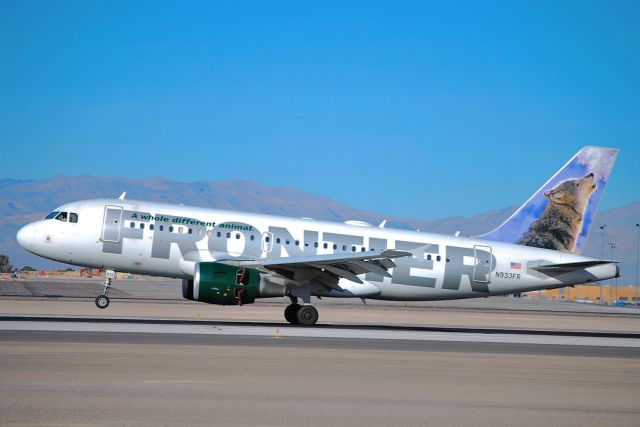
(122, 196)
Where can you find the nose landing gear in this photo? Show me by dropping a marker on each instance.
(102, 301)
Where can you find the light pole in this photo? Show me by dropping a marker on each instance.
(637, 261)
(613, 246)
(601, 255)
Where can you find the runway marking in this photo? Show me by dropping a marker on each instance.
(179, 382)
(299, 332)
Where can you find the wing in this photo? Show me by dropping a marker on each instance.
(328, 269)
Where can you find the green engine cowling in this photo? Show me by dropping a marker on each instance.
(216, 283)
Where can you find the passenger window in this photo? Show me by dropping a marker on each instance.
(237, 235)
(362, 249)
(429, 257)
(353, 248)
(171, 229)
(306, 244)
(209, 233)
(200, 232)
(219, 234)
(335, 246)
(315, 244)
(325, 246)
(252, 238)
(62, 216)
(278, 240)
(73, 217)
(151, 226)
(141, 226)
(161, 227)
(132, 225)
(344, 247)
(297, 242)
(267, 239)
(191, 231)
(228, 235)
(438, 258)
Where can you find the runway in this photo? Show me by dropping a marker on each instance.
(95, 371)
(344, 336)
(494, 362)
(162, 299)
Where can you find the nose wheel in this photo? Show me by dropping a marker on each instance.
(102, 301)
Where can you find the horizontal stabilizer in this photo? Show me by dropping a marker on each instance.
(569, 266)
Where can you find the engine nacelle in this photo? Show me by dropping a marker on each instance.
(217, 283)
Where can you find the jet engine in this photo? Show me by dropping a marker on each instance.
(221, 284)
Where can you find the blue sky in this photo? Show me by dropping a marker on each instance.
(420, 109)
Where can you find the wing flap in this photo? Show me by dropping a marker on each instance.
(372, 266)
(340, 272)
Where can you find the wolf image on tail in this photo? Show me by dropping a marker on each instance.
(561, 222)
(561, 212)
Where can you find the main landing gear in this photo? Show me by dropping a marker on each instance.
(102, 301)
(304, 315)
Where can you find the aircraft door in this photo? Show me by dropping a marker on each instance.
(267, 241)
(112, 224)
(482, 265)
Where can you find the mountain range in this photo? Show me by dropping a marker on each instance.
(22, 201)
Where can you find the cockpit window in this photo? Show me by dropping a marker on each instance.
(62, 216)
(73, 217)
(52, 215)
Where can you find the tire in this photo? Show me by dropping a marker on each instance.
(307, 315)
(102, 302)
(290, 313)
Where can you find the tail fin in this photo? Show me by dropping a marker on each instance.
(559, 215)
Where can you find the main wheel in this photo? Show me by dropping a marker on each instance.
(102, 301)
(290, 313)
(307, 315)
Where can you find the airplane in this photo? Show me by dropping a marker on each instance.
(227, 257)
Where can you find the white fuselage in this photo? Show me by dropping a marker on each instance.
(168, 240)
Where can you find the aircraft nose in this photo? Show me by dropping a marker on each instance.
(25, 236)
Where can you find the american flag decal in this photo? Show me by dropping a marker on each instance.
(516, 266)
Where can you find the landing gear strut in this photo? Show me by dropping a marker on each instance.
(102, 301)
(304, 315)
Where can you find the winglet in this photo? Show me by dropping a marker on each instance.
(122, 196)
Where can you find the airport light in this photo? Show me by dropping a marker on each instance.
(601, 253)
(612, 245)
(637, 261)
